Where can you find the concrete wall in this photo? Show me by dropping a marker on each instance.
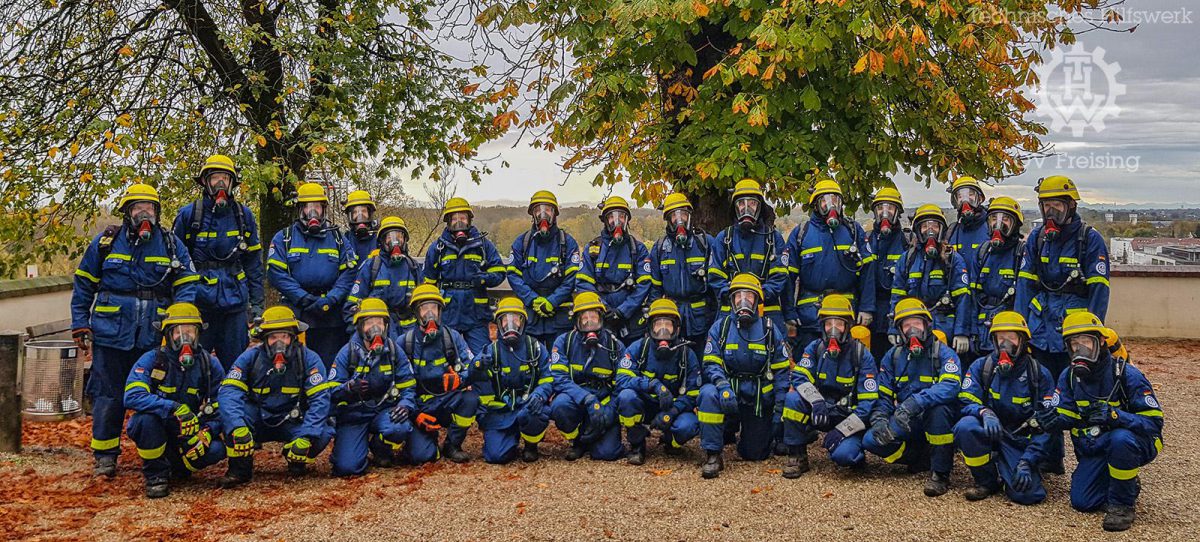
(27, 302)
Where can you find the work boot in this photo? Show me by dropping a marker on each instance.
(713, 465)
(455, 453)
(156, 488)
(297, 468)
(576, 451)
(780, 448)
(530, 453)
(382, 462)
(637, 455)
(1052, 467)
(106, 465)
(979, 493)
(921, 464)
(669, 447)
(233, 479)
(1118, 517)
(797, 463)
(937, 484)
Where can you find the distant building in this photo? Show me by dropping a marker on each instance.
(1108, 217)
(1155, 251)
(1133, 218)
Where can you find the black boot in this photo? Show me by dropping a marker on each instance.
(530, 453)
(797, 463)
(713, 465)
(156, 488)
(979, 493)
(297, 468)
(669, 447)
(780, 448)
(455, 453)
(637, 454)
(106, 465)
(937, 484)
(1052, 467)
(239, 472)
(1118, 518)
(577, 450)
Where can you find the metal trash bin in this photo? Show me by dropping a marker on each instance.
(52, 387)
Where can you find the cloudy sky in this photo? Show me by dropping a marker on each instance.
(1146, 149)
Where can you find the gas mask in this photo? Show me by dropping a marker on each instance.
(1084, 350)
(142, 216)
(373, 330)
(510, 327)
(429, 315)
(968, 201)
(459, 224)
(746, 211)
(279, 343)
(589, 323)
(1056, 213)
(543, 218)
(1008, 347)
(679, 224)
(616, 223)
(829, 206)
(219, 186)
(663, 331)
(312, 217)
(745, 306)
(183, 339)
(1002, 225)
(930, 236)
(392, 244)
(886, 214)
(834, 331)
(915, 331)
(361, 220)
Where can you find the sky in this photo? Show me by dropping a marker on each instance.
(1139, 147)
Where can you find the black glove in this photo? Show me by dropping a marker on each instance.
(1023, 477)
(820, 413)
(832, 439)
(1046, 419)
(991, 424)
(400, 414)
(1102, 415)
(357, 386)
(663, 420)
(662, 393)
(535, 404)
(306, 302)
(614, 321)
(884, 435)
(905, 413)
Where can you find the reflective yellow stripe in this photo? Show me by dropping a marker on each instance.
(977, 461)
(533, 439)
(185, 280)
(865, 396)
(812, 250)
(1027, 275)
(235, 383)
(1150, 413)
(588, 279)
(794, 415)
(959, 291)
(1097, 280)
(462, 421)
(157, 259)
(939, 440)
(970, 397)
(807, 300)
(886, 391)
(898, 291)
(313, 390)
(1068, 413)
(101, 445)
(132, 385)
(717, 272)
(896, 456)
(950, 376)
(155, 453)
(569, 435)
(406, 384)
(297, 250)
(277, 263)
(804, 372)
(86, 275)
(714, 359)
(329, 251)
(630, 421)
(108, 308)
(116, 256)
(710, 417)
(1122, 474)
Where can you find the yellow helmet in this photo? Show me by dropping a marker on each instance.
(862, 334)
(1057, 186)
(358, 197)
(587, 301)
(748, 187)
(614, 202)
(543, 196)
(457, 205)
(218, 162)
(824, 187)
(181, 313)
(887, 194)
(911, 306)
(1008, 205)
(965, 180)
(511, 305)
(392, 223)
(372, 306)
(279, 318)
(138, 192)
(664, 307)
(836, 306)
(928, 211)
(426, 292)
(1082, 322)
(940, 336)
(311, 193)
(675, 200)
(1009, 321)
(1115, 347)
(746, 281)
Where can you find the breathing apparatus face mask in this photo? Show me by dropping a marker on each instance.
(278, 345)
(834, 331)
(373, 330)
(1084, 350)
(745, 306)
(219, 186)
(1056, 213)
(361, 220)
(680, 225)
(616, 223)
(930, 231)
(829, 206)
(543, 218)
(510, 327)
(663, 331)
(392, 244)
(458, 224)
(142, 217)
(886, 214)
(746, 210)
(312, 216)
(183, 339)
(1008, 346)
(915, 331)
(589, 323)
(1002, 225)
(429, 314)
(968, 201)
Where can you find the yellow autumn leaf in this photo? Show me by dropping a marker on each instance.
(319, 148)
(74, 148)
(53, 152)
(262, 141)
(125, 50)
(125, 120)
(861, 64)
(700, 8)
(86, 177)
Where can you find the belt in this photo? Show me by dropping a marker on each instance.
(459, 285)
(209, 265)
(147, 295)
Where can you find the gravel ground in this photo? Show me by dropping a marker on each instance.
(48, 494)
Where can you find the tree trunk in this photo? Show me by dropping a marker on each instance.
(275, 211)
(711, 209)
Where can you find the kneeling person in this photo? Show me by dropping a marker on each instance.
(583, 362)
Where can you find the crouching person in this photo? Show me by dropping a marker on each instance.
(275, 392)
(374, 397)
(512, 376)
(583, 363)
(173, 393)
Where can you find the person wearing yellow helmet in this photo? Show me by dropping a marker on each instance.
(463, 263)
(360, 220)
(679, 270)
(918, 382)
(828, 254)
(1001, 393)
(128, 276)
(659, 379)
(888, 242)
(313, 268)
(389, 274)
(584, 363)
(221, 236)
(995, 286)
(542, 270)
(512, 376)
(752, 245)
(616, 265)
(935, 273)
(275, 391)
(172, 391)
(833, 390)
(745, 366)
(374, 394)
(970, 232)
(1115, 420)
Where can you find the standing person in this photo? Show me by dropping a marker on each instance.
(361, 223)
(583, 363)
(221, 236)
(679, 271)
(313, 267)
(542, 272)
(888, 242)
(935, 273)
(970, 232)
(390, 275)
(464, 263)
(751, 245)
(995, 288)
(617, 266)
(127, 278)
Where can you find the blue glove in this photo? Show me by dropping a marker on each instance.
(1101, 414)
(832, 439)
(884, 434)
(1023, 477)
(820, 414)
(662, 393)
(991, 424)
(306, 302)
(535, 404)
(727, 398)
(663, 420)
(904, 414)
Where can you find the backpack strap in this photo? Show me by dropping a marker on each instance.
(104, 247)
(985, 377)
(448, 349)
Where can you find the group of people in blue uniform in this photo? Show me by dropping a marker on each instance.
(901, 343)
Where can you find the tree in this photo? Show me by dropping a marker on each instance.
(97, 94)
(694, 95)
